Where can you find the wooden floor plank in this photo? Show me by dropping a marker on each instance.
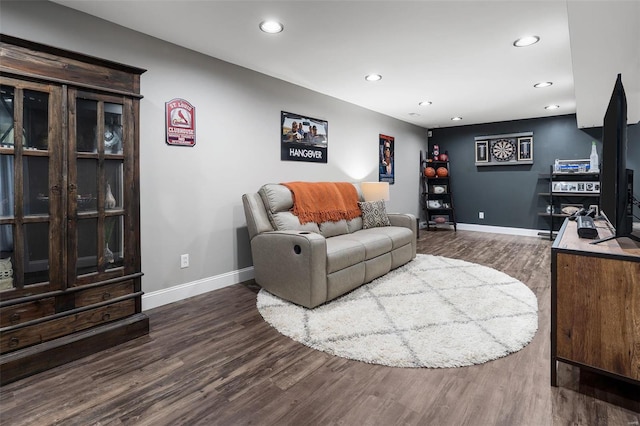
(212, 360)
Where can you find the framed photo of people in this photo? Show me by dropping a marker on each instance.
(386, 164)
(303, 138)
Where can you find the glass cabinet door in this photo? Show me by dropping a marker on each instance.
(100, 154)
(30, 187)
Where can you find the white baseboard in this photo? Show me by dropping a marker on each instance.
(194, 288)
(500, 229)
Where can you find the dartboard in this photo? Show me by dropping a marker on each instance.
(503, 149)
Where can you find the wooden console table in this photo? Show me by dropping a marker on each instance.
(595, 304)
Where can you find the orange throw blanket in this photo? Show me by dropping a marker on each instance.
(324, 201)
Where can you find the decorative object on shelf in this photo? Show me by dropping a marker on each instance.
(570, 209)
(507, 149)
(442, 172)
(430, 172)
(434, 204)
(444, 157)
(550, 209)
(436, 152)
(180, 118)
(439, 189)
(573, 166)
(108, 255)
(594, 165)
(386, 169)
(109, 200)
(6, 274)
(567, 186)
(441, 218)
(304, 138)
(112, 137)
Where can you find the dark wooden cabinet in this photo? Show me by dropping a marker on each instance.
(69, 206)
(595, 304)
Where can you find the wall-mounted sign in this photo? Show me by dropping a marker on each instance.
(180, 117)
(504, 150)
(303, 138)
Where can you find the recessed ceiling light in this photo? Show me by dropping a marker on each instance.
(542, 84)
(456, 118)
(552, 107)
(526, 41)
(271, 27)
(373, 77)
(425, 103)
(414, 114)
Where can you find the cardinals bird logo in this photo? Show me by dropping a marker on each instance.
(180, 117)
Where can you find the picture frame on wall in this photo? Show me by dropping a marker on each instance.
(482, 151)
(510, 149)
(525, 148)
(386, 166)
(303, 138)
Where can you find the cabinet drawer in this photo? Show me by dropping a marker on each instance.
(23, 312)
(34, 334)
(103, 293)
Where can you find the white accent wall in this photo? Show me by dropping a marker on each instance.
(191, 197)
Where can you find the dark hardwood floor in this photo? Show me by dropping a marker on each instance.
(212, 360)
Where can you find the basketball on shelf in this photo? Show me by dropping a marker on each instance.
(444, 156)
(442, 172)
(429, 172)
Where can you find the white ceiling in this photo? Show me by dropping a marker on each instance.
(457, 54)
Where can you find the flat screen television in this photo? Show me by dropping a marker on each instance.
(616, 181)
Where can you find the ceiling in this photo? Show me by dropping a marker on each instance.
(457, 54)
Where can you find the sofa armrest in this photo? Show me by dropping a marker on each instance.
(406, 220)
(292, 265)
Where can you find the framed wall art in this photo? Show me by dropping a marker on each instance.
(303, 138)
(482, 151)
(504, 150)
(386, 164)
(525, 148)
(180, 123)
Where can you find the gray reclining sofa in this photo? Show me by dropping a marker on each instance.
(314, 263)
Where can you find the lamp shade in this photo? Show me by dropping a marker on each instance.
(374, 191)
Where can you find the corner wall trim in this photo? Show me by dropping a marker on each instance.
(195, 288)
(499, 229)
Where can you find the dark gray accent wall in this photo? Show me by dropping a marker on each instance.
(508, 195)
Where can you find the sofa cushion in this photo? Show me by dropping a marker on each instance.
(354, 224)
(374, 214)
(331, 229)
(342, 253)
(374, 244)
(398, 235)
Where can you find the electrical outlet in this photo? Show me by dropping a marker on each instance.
(480, 215)
(184, 261)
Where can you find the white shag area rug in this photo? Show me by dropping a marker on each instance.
(432, 312)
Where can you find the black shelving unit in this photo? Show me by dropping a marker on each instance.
(581, 189)
(437, 194)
